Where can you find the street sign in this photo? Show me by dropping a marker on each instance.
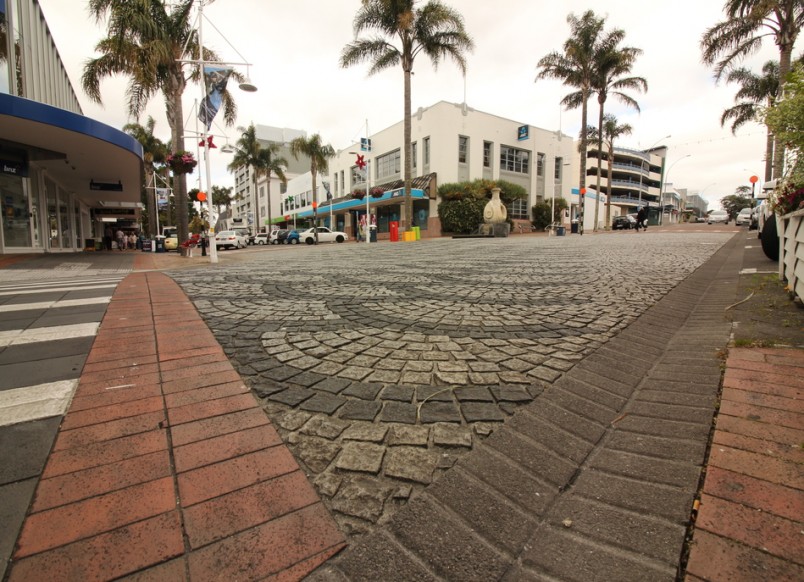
(522, 133)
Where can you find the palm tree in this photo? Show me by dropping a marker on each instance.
(755, 91)
(611, 131)
(265, 161)
(433, 29)
(151, 41)
(575, 67)
(612, 62)
(319, 155)
(740, 35)
(222, 196)
(154, 151)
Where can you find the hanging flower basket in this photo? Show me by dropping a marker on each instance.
(359, 194)
(377, 192)
(790, 199)
(181, 162)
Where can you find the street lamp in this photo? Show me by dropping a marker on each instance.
(665, 180)
(368, 186)
(245, 86)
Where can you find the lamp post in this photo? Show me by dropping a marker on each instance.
(368, 187)
(244, 86)
(665, 180)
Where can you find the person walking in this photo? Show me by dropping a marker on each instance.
(120, 237)
(642, 219)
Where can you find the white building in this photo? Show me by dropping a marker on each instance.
(252, 206)
(451, 143)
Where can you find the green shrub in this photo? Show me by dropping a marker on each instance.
(461, 216)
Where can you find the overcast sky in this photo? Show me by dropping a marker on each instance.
(295, 45)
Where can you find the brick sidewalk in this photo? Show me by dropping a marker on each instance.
(165, 465)
(751, 517)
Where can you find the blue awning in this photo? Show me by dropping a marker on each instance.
(358, 204)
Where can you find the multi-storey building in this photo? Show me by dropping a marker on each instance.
(632, 179)
(450, 143)
(252, 206)
(64, 178)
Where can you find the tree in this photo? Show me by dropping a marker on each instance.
(263, 160)
(740, 35)
(319, 155)
(151, 41)
(222, 197)
(575, 67)
(733, 203)
(154, 151)
(611, 131)
(755, 91)
(433, 29)
(786, 120)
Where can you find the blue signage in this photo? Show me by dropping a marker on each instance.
(522, 132)
(365, 144)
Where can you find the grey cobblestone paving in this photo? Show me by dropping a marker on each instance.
(383, 365)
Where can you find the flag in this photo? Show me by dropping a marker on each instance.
(326, 187)
(215, 79)
(162, 196)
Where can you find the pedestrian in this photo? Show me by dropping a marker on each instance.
(641, 219)
(120, 237)
(107, 239)
(132, 241)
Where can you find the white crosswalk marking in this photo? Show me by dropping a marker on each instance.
(47, 301)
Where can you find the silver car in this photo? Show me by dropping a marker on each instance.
(744, 217)
(718, 216)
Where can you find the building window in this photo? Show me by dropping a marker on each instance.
(558, 170)
(388, 165)
(519, 209)
(426, 151)
(342, 183)
(463, 149)
(540, 164)
(414, 151)
(283, 187)
(514, 160)
(486, 154)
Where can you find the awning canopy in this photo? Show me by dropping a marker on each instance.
(99, 163)
(360, 203)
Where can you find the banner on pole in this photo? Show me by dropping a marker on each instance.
(162, 196)
(215, 79)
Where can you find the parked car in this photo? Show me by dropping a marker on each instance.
(245, 234)
(625, 222)
(291, 237)
(744, 217)
(324, 235)
(277, 236)
(718, 216)
(261, 238)
(171, 243)
(230, 239)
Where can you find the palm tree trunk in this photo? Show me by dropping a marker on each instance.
(150, 204)
(610, 174)
(769, 143)
(785, 55)
(268, 191)
(599, 161)
(582, 177)
(407, 218)
(315, 206)
(257, 204)
(175, 114)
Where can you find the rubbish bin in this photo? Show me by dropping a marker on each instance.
(160, 244)
(574, 227)
(418, 232)
(560, 231)
(393, 228)
(372, 233)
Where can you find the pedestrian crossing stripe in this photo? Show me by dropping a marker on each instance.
(34, 402)
(54, 304)
(17, 337)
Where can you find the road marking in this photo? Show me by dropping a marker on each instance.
(15, 337)
(55, 304)
(35, 402)
(29, 291)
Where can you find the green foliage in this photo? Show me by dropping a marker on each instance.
(461, 209)
(734, 203)
(541, 213)
(461, 216)
(786, 121)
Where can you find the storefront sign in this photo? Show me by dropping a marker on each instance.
(12, 168)
(106, 186)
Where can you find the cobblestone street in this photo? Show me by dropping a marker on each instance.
(382, 364)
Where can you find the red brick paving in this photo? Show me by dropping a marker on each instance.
(212, 494)
(751, 516)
